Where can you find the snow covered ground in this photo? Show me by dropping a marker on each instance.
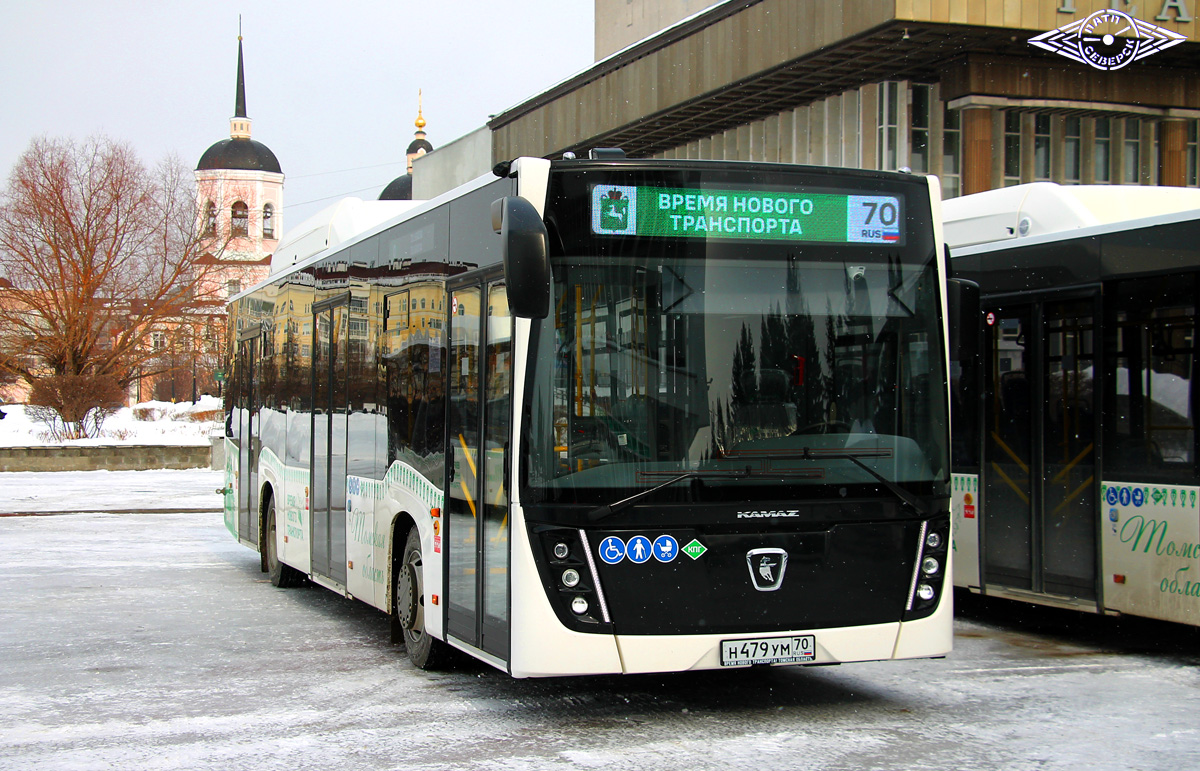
(158, 423)
(153, 642)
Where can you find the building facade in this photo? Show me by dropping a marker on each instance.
(239, 187)
(947, 87)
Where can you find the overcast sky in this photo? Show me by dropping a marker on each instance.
(330, 87)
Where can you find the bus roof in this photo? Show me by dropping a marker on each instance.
(332, 227)
(1046, 208)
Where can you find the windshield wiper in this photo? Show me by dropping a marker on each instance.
(921, 506)
(608, 509)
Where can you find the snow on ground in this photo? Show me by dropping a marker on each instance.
(157, 423)
(57, 491)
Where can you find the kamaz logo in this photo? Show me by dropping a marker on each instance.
(768, 514)
(767, 567)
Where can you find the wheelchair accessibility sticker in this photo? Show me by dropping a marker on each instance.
(612, 550)
(638, 549)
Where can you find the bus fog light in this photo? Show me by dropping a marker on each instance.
(580, 605)
(929, 566)
(570, 578)
(933, 540)
(561, 550)
(925, 592)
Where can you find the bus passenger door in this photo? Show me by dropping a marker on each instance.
(1008, 449)
(328, 477)
(1039, 526)
(1068, 521)
(245, 426)
(477, 523)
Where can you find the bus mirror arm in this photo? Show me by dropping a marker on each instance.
(963, 308)
(525, 249)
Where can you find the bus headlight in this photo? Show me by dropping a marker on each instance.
(579, 605)
(561, 550)
(927, 584)
(570, 578)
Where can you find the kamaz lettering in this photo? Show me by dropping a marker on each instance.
(768, 514)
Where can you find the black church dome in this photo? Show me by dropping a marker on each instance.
(399, 189)
(418, 145)
(244, 154)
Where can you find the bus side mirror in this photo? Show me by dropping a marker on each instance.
(962, 297)
(526, 256)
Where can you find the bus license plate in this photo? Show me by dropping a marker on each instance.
(768, 650)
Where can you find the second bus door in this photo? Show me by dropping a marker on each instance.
(477, 523)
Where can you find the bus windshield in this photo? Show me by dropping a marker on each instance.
(755, 365)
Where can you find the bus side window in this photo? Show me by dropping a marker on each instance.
(1150, 342)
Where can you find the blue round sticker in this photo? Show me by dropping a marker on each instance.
(612, 550)
(1125, 496)
(1111, 496)
(638, 549)
(1139, 496)
(666, 548)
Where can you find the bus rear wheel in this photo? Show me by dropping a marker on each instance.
(281, 575)
(424, 651)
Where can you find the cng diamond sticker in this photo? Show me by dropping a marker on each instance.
(695, 549)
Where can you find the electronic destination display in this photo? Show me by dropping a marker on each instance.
(760, 215)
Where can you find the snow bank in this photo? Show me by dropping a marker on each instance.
(157, 423)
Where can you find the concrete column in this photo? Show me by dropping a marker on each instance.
(787, 139)
(1027, 119)
(1087, 158)
(977, 149)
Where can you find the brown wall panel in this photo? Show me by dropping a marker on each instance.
(977, 150)
(984, 75)
(1172, 168)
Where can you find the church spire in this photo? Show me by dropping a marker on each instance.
(420, 145)
(239, 109)
(239, 124)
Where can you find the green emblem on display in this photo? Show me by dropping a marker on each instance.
(695, 549)
(614, 214)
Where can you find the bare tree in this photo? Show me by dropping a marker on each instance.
(100, 252)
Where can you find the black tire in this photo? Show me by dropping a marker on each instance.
(424, 651)
(282, 575)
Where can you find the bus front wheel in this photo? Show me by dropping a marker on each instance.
(424, 651)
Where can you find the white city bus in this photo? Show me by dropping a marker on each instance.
(604, 415)
(1075, 446)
